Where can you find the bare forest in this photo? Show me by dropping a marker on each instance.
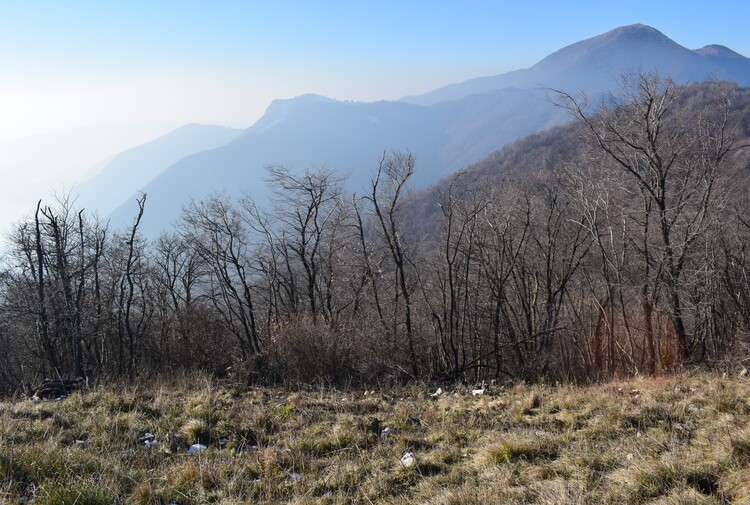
(617, 246)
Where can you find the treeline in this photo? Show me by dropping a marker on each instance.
(630, 256)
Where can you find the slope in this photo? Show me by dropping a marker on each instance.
(132, 170)
(538, 154)
(305, 132)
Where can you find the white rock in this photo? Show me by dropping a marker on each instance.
(196, 448)
(408, 460)
(437, 393)
(477, 392)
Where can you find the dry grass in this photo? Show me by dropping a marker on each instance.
(680, 439)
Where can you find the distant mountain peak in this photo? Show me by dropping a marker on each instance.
(279, 109)
(306, 98)
(629, 35)
(594, 65)
(636, 29)
(718, 50)
(604, 56)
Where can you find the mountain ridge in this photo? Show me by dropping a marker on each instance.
(306, 133)
(606, 48)
(132, 169)
(446, 129)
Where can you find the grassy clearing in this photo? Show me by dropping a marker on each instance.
(681, 439)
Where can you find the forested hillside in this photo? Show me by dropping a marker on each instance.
(614, 246)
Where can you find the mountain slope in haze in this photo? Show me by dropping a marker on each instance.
(541, 153)
(596, 64)
(131, 170)
(479, 124)
(37, 166)
(486, 113)
(306, 132)
(446, 129)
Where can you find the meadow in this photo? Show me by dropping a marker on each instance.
(671, 439)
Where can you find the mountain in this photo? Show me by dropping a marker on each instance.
(35, 166)
(445, 129)
(486, 113)
(306, 132)
(131, 170)
(596, 64)
(542, 152)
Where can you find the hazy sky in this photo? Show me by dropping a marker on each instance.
(72, 63)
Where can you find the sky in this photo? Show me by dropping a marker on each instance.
(68, 63)
(99, 66)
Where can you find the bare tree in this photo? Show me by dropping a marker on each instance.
(214, 229)
(131, 326)
(388, 195)
(307, 207)
(454, 315)
(505, 225)
(667, 165)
